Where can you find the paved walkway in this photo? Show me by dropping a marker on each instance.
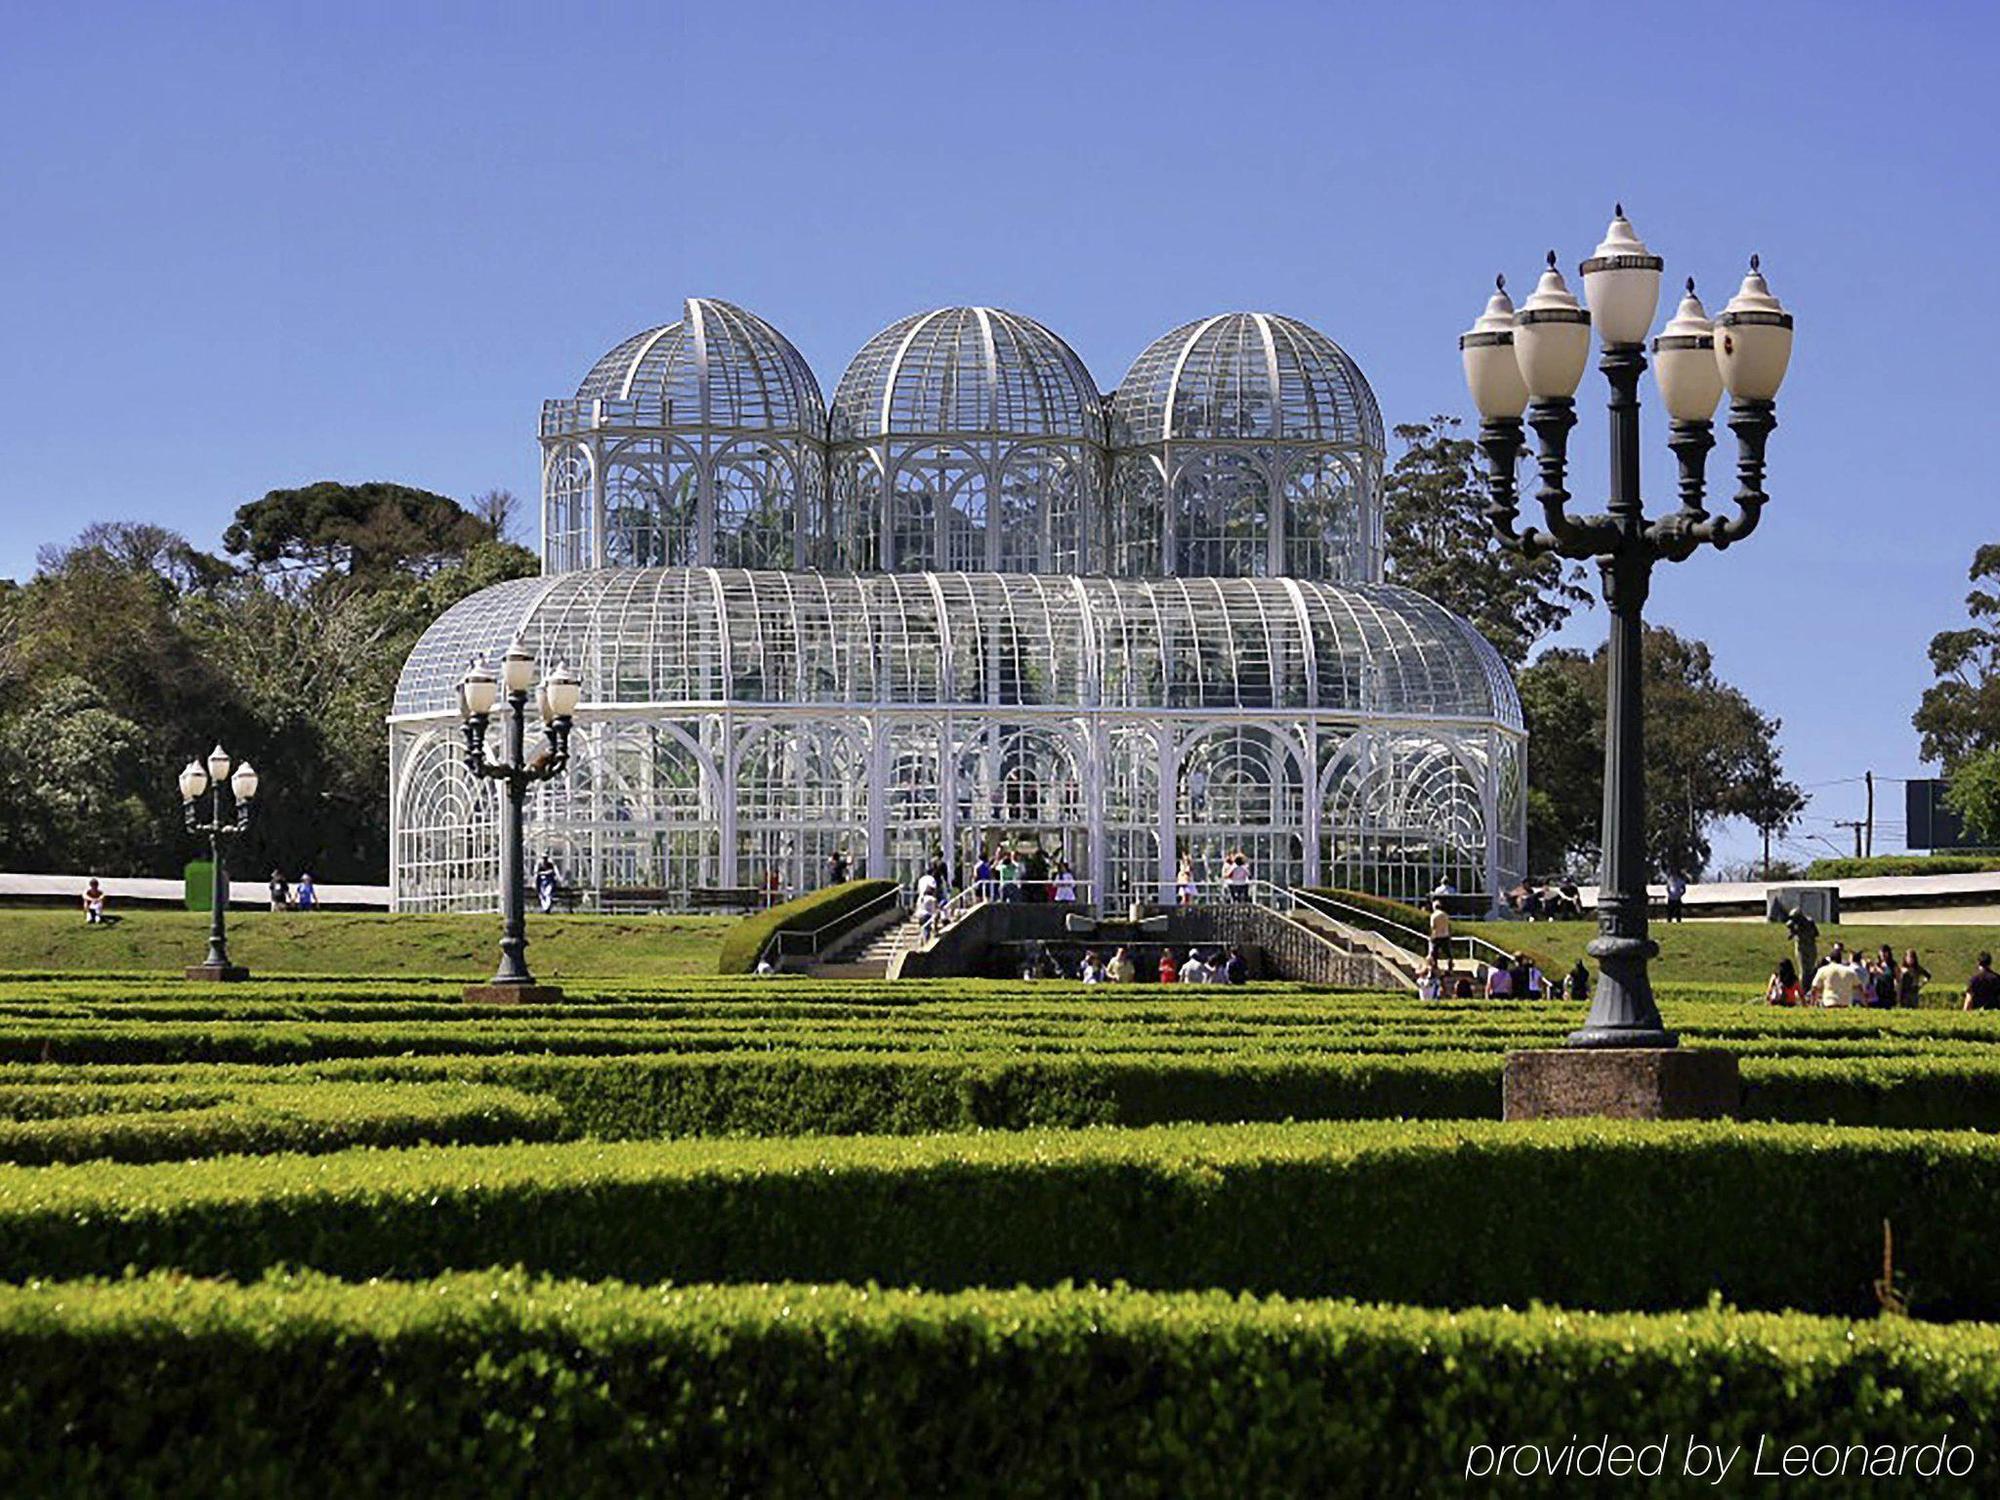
(139, 890)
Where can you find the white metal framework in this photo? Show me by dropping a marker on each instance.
(966, 438)
(737, 725)
(703, 441)
(971, 672)
(1246, 444)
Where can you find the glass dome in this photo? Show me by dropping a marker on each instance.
(702, 441)
(1246, 444)
(965, 438)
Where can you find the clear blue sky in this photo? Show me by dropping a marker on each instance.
(251, 246)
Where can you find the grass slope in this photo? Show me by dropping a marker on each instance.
(1745, 952)
(361, 944)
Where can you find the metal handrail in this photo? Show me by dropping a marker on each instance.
(846, 921)
(1422, 939)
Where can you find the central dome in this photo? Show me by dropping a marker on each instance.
(966, 438)
(966, 371)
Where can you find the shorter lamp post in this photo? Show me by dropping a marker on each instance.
(478, 695)
(212, 780)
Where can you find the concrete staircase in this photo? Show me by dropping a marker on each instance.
(1396, 964)
(867, 952)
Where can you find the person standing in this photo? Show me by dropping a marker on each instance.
(1065, 884)
(1910, 981)
(1499, 982)
(1093, 968)
(281, 891)
(308, 893)
(546, 881)
(1677, 889)
(983, 876)
(1882, 975)
(1579, 982)
(1170, 969)
(1440, 932)
(1010, 877)
(1236, 968)
(1121, 969)
(1834, 984)
(1238, 876)
(1185, 889)
(927, 909)
(836, 867)
(1982, 990)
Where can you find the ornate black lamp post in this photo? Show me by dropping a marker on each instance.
(213, 780)
(1534, 359)
(478, 694)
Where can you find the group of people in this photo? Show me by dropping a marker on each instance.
(1216, 966)
(287, 897)
(1236, 877)
(1519, 979)
(1007, 875)
(1544, 901)
(1874, 980)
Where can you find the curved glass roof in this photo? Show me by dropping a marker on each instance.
(979, 371)
(1245, 376)
(720, 366)
(692, 636)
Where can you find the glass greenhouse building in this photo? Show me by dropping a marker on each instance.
(972, 600)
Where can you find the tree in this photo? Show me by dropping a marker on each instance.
(1959, 716)
(1438, 541)
(358, 530)
(497, 511)
(1974, 794)
(1710, 755)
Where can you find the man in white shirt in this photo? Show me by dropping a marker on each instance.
(1834, 983)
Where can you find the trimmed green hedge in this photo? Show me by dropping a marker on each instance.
(154, 1125)
(1902, 864)
(744, 942)
(1593, 1214)
(493, 1384)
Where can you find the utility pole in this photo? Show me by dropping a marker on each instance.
(1868, 777)
(1859, 825)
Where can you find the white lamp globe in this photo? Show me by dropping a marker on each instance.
(194, 781)
(517, 669)
(478, 691)
(1684, 362)
(244, 782)
(1753, 340)
(1622, 282)
(1492, 373)
(1552, 338)
(218, 764)
(560, 691)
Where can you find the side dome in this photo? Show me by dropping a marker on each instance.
(965, 439)
(1246, 444)
(1245, 376)
(719, 366)
(701, 442)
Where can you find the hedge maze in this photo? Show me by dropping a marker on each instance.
(750, 1235)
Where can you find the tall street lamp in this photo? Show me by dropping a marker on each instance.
(212, 780)
(478, 694)
(1533, 358)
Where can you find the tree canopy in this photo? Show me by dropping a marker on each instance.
(1710, 755)
(361, 530)
(1959, 716)
(131, 651)
(1437, 540)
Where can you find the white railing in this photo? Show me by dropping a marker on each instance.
(1415, 940)
(787, 943)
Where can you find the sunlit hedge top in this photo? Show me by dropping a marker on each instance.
(663, 636)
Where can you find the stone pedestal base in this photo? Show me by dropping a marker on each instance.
(217, 973)
(1626, 1084)
(512, 994)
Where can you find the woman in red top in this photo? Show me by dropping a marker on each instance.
(1784, 986)
(1170, 971)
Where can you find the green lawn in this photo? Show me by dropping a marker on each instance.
(1745, 952)
(362, 944)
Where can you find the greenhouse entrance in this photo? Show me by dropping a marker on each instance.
(1059, 844)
